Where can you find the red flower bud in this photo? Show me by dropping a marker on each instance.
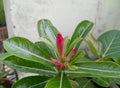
(67, 59)
(52, 60)
(59, 64)
(72, 52)
(60, 43)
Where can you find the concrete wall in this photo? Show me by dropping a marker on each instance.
(22, 15)
(108, 16)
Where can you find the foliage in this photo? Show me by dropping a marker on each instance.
(2, 74)
(60, 63)
(2, 14)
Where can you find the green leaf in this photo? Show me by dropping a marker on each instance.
(42, 25)
(59, 81)
(92, 47)
(110, 44)
(84, 59)
(28, 66)
(104, 82)
(31, 82)
(72, 45)
(117, 60)
(100, 69)
(45, 49)
(4, 55)
(25, 49)
(77, 74)
(74, 84)
(47, 41)
(82, 30)
(80, 57)
(50, 43)
(66, 44)
(116, 80)
(84, 83)
(46, 28)
(2, 74)
(77, 57)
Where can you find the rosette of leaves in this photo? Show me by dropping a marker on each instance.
(2, 14)
(57, 60)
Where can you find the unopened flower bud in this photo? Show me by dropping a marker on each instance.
(60, 43)
(59, 64)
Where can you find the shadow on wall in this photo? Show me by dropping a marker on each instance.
(108, 16)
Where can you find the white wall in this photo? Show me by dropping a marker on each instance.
(108, 16)
(22, 15)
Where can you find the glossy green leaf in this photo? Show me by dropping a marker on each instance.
(116, 80)
(28, 66)
(74, 84)
(46, 28)
(82, 30)
(4, 55)
(25, 49)
(92, 47)
(50, 43)
(45, 49)
(110, 44)
(72, 45)
(117, 60)
(77, 74)
(101, 69)
(95, 69)
(94, 38)
(59, 81)
(66, 44)
(47, 41)
(2, 74)
(104, 82)
(84, 83)
(42, 25)
(31, 82)
(84, 59)
(78, 55)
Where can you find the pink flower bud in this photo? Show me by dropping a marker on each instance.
(66, 58)
(72, 52)
(60, 43)
(59, 64)
(52, 60)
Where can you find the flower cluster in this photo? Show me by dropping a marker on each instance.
(61, 61)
